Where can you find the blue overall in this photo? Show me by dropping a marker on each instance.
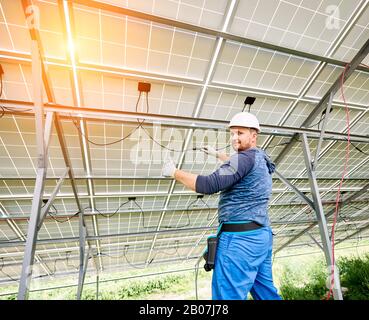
(243, 260)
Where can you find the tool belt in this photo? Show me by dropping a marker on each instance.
(212, 241)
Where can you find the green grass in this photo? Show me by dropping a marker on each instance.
(297, 277)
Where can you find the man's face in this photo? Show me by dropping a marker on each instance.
(243, 138)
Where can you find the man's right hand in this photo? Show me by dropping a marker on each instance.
(210, 150)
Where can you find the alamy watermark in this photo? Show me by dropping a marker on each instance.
(33, 17)
(333, 19)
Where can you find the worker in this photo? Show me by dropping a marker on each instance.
(243, 261)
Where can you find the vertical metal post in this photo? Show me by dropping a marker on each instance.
(82, 267)
(337, 293)
(82, 226)
(29, 252)
(97, 287)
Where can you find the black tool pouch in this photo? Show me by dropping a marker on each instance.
(210, 252)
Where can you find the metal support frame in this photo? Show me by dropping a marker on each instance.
(16, 243)
(296, 190)
(42, 151)
(48, 204)
(315, 241)
(82, 227)
(207, 31)
(82, 273)
(327, 248)
(352, 66)
(97, 286)
(343, 203)
(196, 275)
(67, 14)
(95, 114)
(354, 233)
(11, 57)
(218, 47)
(327, 111)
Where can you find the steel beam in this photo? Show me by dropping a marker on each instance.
(327, 112)
(16, 243)
(343, 203)
(315, 241)
(82, 273)
(13, 57)
(359, 57)
(203, 30)
(48, 204)
(359, 230)
(117, 177)
(67, 13)
(327, 248)
(150, 194)
(82, 228)
(177, 121)
(296, 190)
(35, 36)
(25, 279)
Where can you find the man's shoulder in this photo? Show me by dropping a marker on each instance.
(251, 152)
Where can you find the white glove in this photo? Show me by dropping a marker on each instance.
(210, 150)
(169, 168)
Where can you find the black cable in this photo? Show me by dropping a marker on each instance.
(109, 215)
(75, 122)
(17, 110)
(284, 143)
(56, 212)
(176, 242)
(322, 117)
(158, 143)
(3, 272)
(101, 144)
(200, 198)
(140, 122)
(67, 258)
(3, 109)
(358, 149)
(140, 125)
(125, 250)
(149, 135)
(278, 145)
(147, 108)
(67, 262)
(182, 226)
(143, 215)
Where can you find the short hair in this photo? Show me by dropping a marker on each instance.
(254, 130)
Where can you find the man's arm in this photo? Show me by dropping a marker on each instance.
(223, 156)
(213, 152)
(186, 178)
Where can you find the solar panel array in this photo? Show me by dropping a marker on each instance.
(202, 59)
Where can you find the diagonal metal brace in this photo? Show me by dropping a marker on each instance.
(297, 191)
(328, 253)
(327, 112)
(47, 206)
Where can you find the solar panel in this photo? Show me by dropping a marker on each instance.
(202, 60)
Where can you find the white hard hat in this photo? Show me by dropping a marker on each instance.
(245, 119)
